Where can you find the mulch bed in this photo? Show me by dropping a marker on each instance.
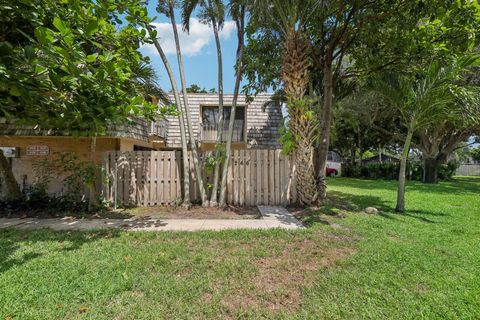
(195, 212)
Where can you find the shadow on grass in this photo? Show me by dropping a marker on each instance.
(338, 204)
(458, 184)
(13, 242)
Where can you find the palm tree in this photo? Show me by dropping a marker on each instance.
(288, 18)
(213, 12)
(167, 7)
(178, 102)
(238, 10)
(421, 100)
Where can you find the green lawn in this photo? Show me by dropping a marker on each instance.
(347, 264)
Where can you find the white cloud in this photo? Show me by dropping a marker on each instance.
(191, 43)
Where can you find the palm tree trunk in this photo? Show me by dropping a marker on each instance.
(178, 102)
(295, 77)
(240, 22)
(325, 124)
(402, 174)
(218, 153)
(193, 142)
(12, 187)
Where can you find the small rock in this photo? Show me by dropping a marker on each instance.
(371, 210)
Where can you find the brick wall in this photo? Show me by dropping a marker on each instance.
(22, 166)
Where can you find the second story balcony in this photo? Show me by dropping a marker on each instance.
(208, 132)
(158, 129)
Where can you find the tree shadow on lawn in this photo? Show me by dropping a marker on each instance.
(338, 204)
(457, 185)
(13, 240)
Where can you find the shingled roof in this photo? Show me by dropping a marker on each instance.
(138, 129)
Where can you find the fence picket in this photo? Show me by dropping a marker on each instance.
(241, 181)
(153, 179)
(271, 178)
(147, 178)
(277, 176)
(248, 182)
(178, 179)
(265, 176)
(230, 180)
(171, 169)
(235, 177)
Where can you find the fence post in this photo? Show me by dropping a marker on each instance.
(115, 190)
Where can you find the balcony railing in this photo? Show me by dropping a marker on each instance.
(208, 132)
(158, 129)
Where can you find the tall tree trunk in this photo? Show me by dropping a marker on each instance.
(218, 147)
(193, 141)
(402, 174)
(430, 170)
(11, 185)
(360, 149)
(240, 22)
(295, 77)
(92, 188)
(325, 124)
(353, 154)
(178, 102)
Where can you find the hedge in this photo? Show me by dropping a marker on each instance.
(390, 170)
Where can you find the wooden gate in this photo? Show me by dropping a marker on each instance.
(149, 178)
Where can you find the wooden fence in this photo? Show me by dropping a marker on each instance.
(149, 178)
(468, 170)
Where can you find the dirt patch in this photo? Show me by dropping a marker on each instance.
(195, 212)
(421, 287)
(281, 278)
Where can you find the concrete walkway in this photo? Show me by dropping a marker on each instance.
(272, 217)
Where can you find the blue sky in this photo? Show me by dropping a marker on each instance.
(198, 52)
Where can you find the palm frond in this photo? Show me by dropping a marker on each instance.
(188, 6)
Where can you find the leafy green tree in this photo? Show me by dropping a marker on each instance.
(421, 100)
(363, 122)
(194, 88)
(438, 141)
(350, 39)
(475, 154)
(72, 66)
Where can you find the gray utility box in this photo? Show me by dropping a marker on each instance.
(10, 152)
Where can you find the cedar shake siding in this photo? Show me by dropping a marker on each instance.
(262, 122)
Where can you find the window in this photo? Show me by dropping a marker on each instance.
(210, 123)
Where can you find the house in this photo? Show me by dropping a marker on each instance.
(25, 145)
(334, 161)
(380, 158)
(257, 125)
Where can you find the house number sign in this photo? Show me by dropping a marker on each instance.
(38, 150)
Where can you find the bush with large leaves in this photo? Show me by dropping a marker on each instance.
(72, 65)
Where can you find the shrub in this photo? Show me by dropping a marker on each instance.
(390, 170)
(446, 171)
(77, 175)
